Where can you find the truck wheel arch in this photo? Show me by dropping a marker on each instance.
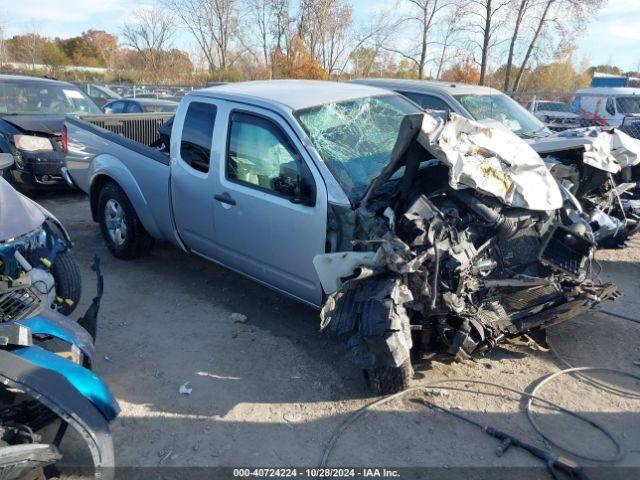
(136, 198)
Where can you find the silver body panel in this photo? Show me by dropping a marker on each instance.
(263, 236)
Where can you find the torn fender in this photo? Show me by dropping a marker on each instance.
(491, 160)
(55, 392)
(50, 322)
(82, 379)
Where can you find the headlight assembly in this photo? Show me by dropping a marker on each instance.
(31, 143)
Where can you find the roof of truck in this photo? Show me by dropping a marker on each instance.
(609, 91)
(292, 94)
(427, 86)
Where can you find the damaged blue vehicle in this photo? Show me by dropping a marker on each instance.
(45, 357)
(34, 244)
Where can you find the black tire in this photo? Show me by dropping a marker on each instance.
(136, 239)
(387, 380)
(66, 274)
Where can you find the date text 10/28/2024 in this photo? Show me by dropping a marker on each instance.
(315, 473)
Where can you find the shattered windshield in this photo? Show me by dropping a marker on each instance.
(504, 110)
(355, 137)
(44, 98)
(628, 104)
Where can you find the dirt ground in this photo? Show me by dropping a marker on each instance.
(271, 391)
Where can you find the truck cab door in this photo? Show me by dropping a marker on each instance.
(269, 203)
(192, 174)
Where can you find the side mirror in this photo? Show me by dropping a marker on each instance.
(305, 194)
(6, 161)
(108, 111)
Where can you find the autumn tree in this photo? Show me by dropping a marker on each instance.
(212, 23)
(464, 72)
(150, 34)
(423, 16)
(297, 63)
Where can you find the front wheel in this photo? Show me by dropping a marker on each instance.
(121, 228)
(387, 380)
(68, 282)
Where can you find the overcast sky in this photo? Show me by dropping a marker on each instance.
(611, 37)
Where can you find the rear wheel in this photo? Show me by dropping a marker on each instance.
(121, 228)
(387, 380)
(66, 275)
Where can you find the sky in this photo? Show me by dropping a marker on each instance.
(611, 37)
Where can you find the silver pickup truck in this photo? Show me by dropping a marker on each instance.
(405, 229)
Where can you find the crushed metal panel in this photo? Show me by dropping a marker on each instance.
(492, 161)
(612, 151)
(333, 267)
(608, 150)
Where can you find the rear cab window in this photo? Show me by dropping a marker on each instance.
(197, 135)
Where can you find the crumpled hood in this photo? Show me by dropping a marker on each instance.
(611, 150)
(492, 161)
(43, 124)
(18, 214)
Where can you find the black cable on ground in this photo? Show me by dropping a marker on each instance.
(590, 380)
(441, 385)
(617, 315)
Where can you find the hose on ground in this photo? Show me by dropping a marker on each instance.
(590, 380)
(441, 385)
(617, 315)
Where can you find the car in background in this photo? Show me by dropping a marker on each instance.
(100, 94)
(483, 104)
(32, 112)
(555, 115)
(140, 105)
(615, 107)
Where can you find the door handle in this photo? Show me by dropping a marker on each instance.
(225, 198)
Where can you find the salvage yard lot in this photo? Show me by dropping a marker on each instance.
(269, 391)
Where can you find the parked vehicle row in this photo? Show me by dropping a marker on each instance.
(609, 192)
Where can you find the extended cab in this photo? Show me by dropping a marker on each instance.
(351, 198)
(242, 185)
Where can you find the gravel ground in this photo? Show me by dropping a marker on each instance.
(269, 391)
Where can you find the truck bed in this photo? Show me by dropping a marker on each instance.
(128, 148)
(140, 128)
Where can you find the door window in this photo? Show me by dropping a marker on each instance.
(197, 134)
(133, 108)
(427, 101)
(262, 156)
(117, 107)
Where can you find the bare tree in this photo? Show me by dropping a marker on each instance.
(521, 8)
(151, 35)
(262, 14)
(325, 27)
(3, 47)
(213, 23)
(452, 25)
(557, 12)
(488, 14)
(425, 15)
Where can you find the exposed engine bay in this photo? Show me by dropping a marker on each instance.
(601, 174)
(467, 248)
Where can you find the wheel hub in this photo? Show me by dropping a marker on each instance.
(115, 221)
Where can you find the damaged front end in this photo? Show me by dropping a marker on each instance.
(472, 245)
(598, 171)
